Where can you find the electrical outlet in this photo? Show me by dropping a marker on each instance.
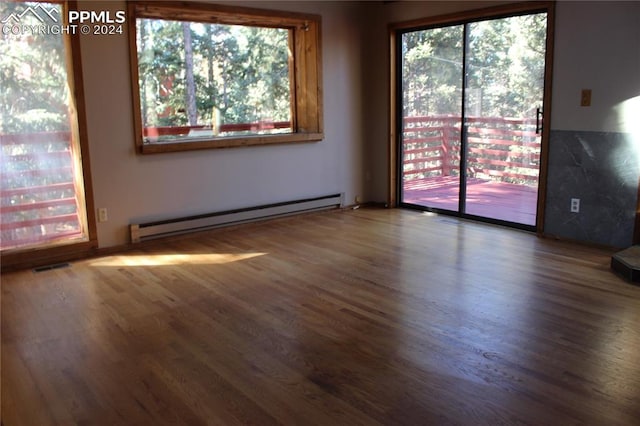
(102, 215)
(575, 205)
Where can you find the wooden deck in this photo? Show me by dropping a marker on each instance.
(496, 200)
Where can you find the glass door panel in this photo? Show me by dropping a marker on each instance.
(504, 68)
(431, 103)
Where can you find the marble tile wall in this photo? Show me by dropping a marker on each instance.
(602, 170)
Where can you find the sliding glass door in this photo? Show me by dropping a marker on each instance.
(471, 102)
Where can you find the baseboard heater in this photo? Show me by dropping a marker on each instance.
(150, 230)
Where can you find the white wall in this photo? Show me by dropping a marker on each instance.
(597, 47)
(137, 188)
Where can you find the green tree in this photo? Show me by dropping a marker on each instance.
(237, 74)
(33, 80)
(432, 71)
(190, 100)
(505, 68)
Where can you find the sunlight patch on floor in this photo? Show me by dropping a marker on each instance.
(174, 259)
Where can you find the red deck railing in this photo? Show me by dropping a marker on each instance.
(155, 132)
(500, 149)
(37, 197)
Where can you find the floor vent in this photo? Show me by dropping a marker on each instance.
(50, 267)
(146, 231)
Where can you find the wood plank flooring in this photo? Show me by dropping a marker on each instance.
(369, 316)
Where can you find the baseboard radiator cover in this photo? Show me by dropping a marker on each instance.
(163, 228)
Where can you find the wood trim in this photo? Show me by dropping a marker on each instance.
(306, 42)
(316, 55)
(231, 142)
(64, 252)
(77, 83)
(546, 120)
(473, 15)
(135, 78)
(218, 14)
(306, 72)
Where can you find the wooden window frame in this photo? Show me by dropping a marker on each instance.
(306, 97)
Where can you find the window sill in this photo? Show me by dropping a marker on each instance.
(230, 142)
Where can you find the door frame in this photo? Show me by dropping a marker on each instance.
(395, 122)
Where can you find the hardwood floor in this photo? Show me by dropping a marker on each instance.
(370, 316)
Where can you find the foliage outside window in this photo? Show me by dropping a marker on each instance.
(506, 53)
(211, 76)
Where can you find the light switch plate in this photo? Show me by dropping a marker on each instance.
(585, 98)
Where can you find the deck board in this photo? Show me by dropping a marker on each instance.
(497, 200)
